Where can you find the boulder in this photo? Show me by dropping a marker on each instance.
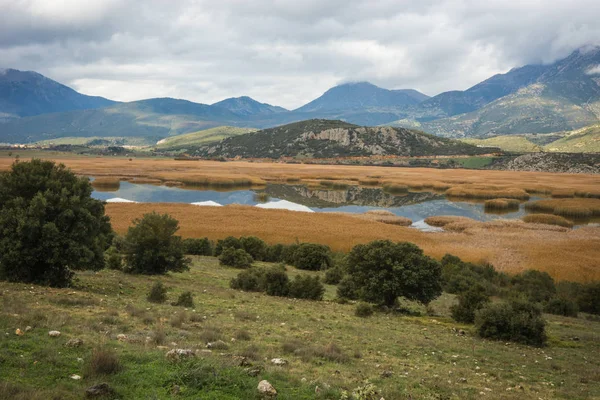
(121, 337)
(75, 342)
(178, 354)
(266, 390)
(280, 362)
(54, 333)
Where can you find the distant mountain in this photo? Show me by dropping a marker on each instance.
(362, 95)
(247, 106)
(196, 139)
(27, 93)
(324, 138)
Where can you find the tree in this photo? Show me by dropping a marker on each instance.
(536, 286)
(255, 247)
(312, 257)
(49, 224)
(382, 270)
(468, 303)
(151, 247)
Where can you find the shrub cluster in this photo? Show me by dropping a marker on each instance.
(198, 247)
(158, 293)
(274, 281)
(468, 303)
(237, 258)
(517, 321)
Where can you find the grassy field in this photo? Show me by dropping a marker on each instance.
(326, 346)
(201, 138)
(564, 253)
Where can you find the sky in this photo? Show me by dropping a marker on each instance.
(284, 52)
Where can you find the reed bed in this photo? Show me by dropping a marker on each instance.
(262, 197)
(595, 194)
(501, 204)
(487, 192)
(334, 185)
(443, 220)
(394, 188)
(386, 217)
(510, 247)
(369, 182)
(574, 208)
(548, 219)
(146, 181)
(106, 184)
(562, 193)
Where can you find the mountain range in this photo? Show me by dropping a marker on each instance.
(557, 97)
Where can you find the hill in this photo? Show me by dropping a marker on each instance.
(247, 106)
(324, 138)
(513, 143)
(27, 93)
(585, 140)
(200, 138)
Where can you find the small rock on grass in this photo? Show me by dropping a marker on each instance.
(279, 362)
(178, 354)
(266, 390)
(100, 390)
(76, 342)
(75, 377)
(54, 333)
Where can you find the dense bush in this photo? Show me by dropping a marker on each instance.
(589, 298)
(223, 244)
(250, 280)
(151, 247)
(334, 275)
(277, 282)
(347, 289)
(255, 247)
(186, 299)
(198, 247)
(536, 286)
(313, 257)
(288, 254)
(468, 303)
(275, 253)
(306, 287)
(459, 276)
(382, 270)
(158, 293)
(561, 306)
(236, 258)
(363, 310)
(114, 259)
(50, 225)
(516, 321)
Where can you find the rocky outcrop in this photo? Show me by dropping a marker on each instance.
(572, 163)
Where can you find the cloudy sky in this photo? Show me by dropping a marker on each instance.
(284, 52)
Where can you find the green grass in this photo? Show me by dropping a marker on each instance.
(514, 143)
(585, 140)
(429, 360)
(474, 162)
(201, 138)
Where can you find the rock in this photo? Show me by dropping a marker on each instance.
(76, 342)
(19, 332)
(76, 377)
(99, 390)
(54, 333)
(266, 390)
(387, 374)
(462, 332)
(28, 328)
(252, 371)
(280, 362)
(175, 389)
(242, 361)
(178, 354)
(219, 344)
(121, 337)
(461, 380)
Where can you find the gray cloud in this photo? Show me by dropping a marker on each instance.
(284, 52)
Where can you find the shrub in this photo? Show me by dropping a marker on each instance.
(198, 247)
(255, 247)
(383, 270)
(347, 289)
(151, 247)
(589, 298)
(306, 287)
(277, 282)
(312, 257)
(158, 293)
(459, 276)
(102, 362)
(363, 310)
(536, 286)
(242, 335)
(288, 255)
(51, 226)
(114, 260)
(275, 253)
(236, 258)
(468, 303)
(186, 299)
(334, 275)
(223, 244)
(516, 321)
(561, 306)
(250, 280)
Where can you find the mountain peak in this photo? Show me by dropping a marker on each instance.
(247, 106)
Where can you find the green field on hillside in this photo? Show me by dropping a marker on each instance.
(201, 138)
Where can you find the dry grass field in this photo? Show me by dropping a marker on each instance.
(564, 253)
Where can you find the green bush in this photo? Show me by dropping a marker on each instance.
(114, 260)
(50, 224)
(223, 244)
(561, 306)
(516, 321)
(306, 287)
(151, 247)
(158, 293)
(382, 271)
(363, 310)
(277, 282)
(334, 275)
(288, 255)
(275, 253)
(186, 299)
(313, 257)
(589, 298)
(255, 247)
(250, 280)
(468, 303)
(347, 289)
(459, 276)
(198, 247)
(236, 258)
(536, 286)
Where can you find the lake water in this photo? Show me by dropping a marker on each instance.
(414, 205)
